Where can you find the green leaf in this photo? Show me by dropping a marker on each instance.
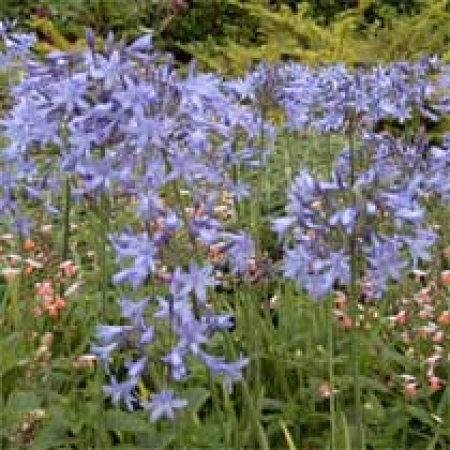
(289, 440)
(116, 420)
(23, 401)
(420, 415)
(196, 398)
(127, 447)
(156, 439)
(52, 436)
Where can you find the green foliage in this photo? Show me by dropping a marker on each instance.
(231, 35)
(280, 401)
(367, 33)
(11, 9)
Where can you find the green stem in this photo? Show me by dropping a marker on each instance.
(287, 160)
(103, 250)
(256, 206)
(354, 297)
(104, 228)
(331, 374)
(66, 229)
(238, 206)
(261, 435)
(250, 400)
(66, 223)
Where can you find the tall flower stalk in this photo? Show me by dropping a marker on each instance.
(354, 295)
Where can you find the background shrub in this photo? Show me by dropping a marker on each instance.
(230, 35)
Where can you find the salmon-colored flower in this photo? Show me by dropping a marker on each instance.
(52, 310)
(326, 390)
(29, 245)
(60, 303)
(439, 337)
(435, 383)
(401, 317)
(69, 268)
(445, 277)
(411, 388)
(47, 302)
(45, 289)
(346, 321)
(424, 295)
(444, 318)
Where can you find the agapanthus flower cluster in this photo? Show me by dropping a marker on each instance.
(122, 124)
(167, 330)
(379, 210)
(130, 101)
(336, 97)
(14, 46)
(370, 213)
(14, 49)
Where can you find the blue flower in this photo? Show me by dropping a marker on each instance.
(240, 249)
(136, 368)
(386, 262)
(231, 371)
(163, 405)
(108, 334)
(122, 391)
(197, 280)
(176, 360)
(142, 251)
(134, 311)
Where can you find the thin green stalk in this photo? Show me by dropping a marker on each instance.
(354, 297)
(232, 433)
(252, 409)
(254, 318)
(15, 312)
(331, 374)
(66, 225)
(216, 401)
(354, 294)
(104, 229)
(287, 160)
(256, 206)
(260, 433)
(238, 206)
(104, 224)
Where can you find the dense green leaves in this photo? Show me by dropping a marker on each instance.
(230, 35)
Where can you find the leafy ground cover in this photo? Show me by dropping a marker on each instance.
(189, 261)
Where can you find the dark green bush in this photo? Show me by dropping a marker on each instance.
(228, 35)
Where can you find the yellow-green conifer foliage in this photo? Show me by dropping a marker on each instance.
(284, 34)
